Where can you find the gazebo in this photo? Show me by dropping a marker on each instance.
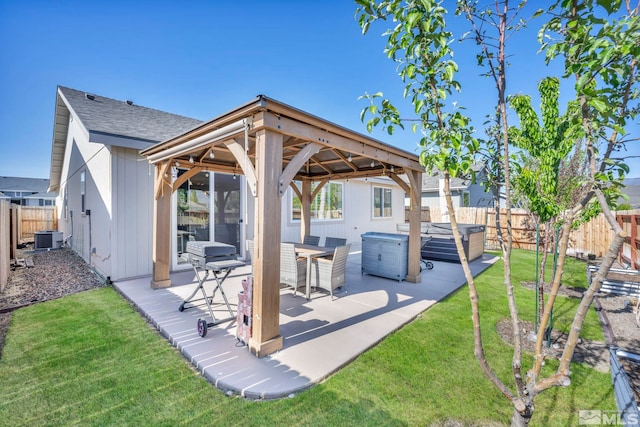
(274, 145)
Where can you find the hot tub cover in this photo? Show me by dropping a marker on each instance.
(444, 229)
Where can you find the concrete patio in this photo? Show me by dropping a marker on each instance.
(320, 335)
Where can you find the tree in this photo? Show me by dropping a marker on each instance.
(544, 148)
(600, 51)
(420, 44)
(600, 44)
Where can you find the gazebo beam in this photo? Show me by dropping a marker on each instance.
(300, 130)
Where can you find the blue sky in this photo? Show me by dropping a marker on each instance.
(201, 59)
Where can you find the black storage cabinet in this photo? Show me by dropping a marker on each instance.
(385, 255)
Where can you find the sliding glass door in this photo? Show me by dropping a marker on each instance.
(207, 207)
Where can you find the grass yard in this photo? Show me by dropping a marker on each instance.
(90, 359)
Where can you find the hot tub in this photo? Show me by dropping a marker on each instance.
(439, 243)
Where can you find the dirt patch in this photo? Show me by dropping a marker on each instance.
(623, 332)
(566, 291)
(593, 353)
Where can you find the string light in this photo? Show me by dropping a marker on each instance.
(392, 170)
(190, 159)
(350, 159)
(211, 154)
(373, 163)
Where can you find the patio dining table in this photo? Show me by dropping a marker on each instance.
(310, 252)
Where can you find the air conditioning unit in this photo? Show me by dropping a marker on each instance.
(47, 239)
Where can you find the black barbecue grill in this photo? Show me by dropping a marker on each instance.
(215, 257)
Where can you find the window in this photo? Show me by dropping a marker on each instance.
(83, 189)
(65, 202)
(465, 199)
(326, 206)
(382, 202)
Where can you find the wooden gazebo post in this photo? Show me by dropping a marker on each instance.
(161, 227)
(305, 210)
(415, 197)
(265, 338)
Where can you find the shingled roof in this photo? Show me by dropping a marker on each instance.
(110, 122)
(104, 115)
(29, 185)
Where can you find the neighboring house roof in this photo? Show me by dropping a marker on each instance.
(43, 195)
(632, 189)
(110, 122)
(31, 185)
(3, 196)
(430, 183)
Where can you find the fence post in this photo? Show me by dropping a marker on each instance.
(4, 244)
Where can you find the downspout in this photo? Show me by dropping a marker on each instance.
(246, 196)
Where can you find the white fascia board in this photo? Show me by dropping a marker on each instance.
(119, 141)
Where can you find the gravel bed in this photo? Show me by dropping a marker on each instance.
(54, 274)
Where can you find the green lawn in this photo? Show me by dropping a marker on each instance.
(89, 359)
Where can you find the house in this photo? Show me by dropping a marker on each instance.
(26, 191)
(105, 190)
(464, 192)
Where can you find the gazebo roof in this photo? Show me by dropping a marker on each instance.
(338, 153)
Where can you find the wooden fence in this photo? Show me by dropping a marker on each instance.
(593, 237)
(629, 221)
(18, 225)
(35, 218)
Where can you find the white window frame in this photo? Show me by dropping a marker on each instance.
(384, 190)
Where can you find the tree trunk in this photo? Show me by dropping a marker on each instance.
(478, 349)
(520, 420)
(543, 265)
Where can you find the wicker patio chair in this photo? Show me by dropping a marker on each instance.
(329, 273)
(332, 242)
(311, 240)
(293, 270)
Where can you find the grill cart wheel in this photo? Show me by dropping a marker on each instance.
(428, 265)
(181, 308)
(202, 327)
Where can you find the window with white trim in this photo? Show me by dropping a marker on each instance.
(65, 202)
(326, 206)
(382, 202)
(83, 189)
